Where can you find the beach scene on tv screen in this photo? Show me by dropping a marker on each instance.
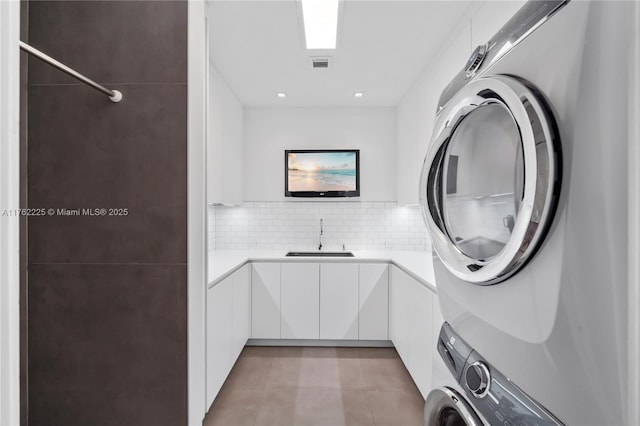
(322, 171)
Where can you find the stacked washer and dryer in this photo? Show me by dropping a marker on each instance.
(524, 193)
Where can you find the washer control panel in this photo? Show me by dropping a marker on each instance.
(453, 350)
(493, 395)
(477, 379)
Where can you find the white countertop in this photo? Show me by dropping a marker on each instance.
(418, 264)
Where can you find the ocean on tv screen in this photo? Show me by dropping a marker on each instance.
(323, 171)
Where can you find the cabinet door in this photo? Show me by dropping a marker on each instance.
(241, 312)
(373, 300)
(300, 300)
(400, 302)
(218, 343)
(339, 301)
(393, 305)
(265, 300)
(412, 320)
(421, 346)
(224, 143)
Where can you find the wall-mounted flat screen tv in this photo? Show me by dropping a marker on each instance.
(322, 173)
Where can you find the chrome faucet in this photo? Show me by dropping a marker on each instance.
(321, 232)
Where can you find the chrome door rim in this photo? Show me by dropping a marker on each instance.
(542, 171)
(444, 397)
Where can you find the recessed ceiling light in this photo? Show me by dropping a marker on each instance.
(281, 95)
(358, 94)
(320, 23)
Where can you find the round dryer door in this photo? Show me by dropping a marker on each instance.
(490, 181)
(446, 407)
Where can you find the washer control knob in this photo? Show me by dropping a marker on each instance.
(475, 60)
(478, 379)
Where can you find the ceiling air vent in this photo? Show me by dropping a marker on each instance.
(320, 62)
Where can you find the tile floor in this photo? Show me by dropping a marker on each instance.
(279, 386)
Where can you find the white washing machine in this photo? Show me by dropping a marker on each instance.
(524, 196)
(475, 393)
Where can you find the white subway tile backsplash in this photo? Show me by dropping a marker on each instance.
(296, 226)
(211, 216)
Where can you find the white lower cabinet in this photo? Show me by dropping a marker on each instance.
(412, 325)
(300, 300)
(373, 301)
(227, 327)
(265, 301)
(219, 336)
(339, 304)
(241, 309)
(421, 349)
(333, 301)
(399, 320)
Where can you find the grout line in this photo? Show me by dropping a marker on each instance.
(263, 396)
(366, 399)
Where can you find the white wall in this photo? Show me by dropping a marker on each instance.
(225, 142)
(269, 131)
(416, 111)
(415, 124)
(197, 205)
(9, 225)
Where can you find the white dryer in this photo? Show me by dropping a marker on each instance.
(524, 196)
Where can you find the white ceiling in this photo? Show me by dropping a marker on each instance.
(258, 47)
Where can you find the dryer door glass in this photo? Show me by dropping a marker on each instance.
(491, 179)
(484, 172)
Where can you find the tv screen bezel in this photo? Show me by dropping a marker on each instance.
(320, 194)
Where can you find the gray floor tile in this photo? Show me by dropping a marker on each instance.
(271, 386)
(314, 407)
(386, 374)
(235, 407)
(396, 408)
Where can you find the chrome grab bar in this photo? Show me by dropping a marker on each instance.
(114, 95)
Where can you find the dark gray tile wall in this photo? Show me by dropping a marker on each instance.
(107, 309)
(86, 152)
(24, 92)
(107, 344)
(129, 42)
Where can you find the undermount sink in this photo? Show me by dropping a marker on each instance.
(320, 254)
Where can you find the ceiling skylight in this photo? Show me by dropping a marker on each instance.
(320, 23)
